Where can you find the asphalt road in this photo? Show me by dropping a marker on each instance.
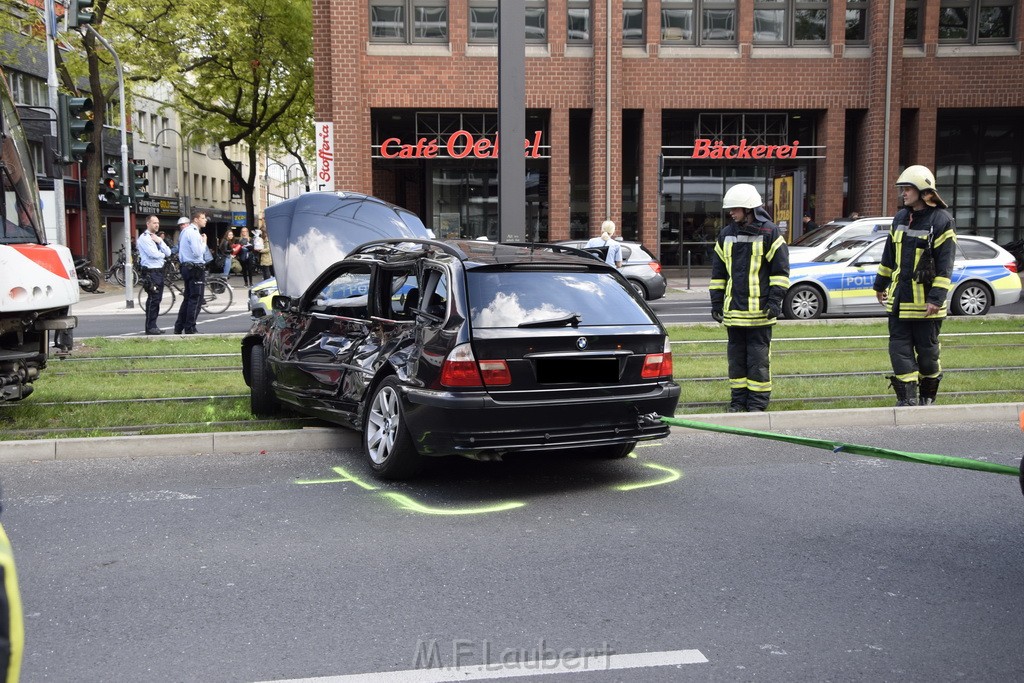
(770, 561)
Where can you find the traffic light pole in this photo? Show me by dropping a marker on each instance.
(51, 85)
(128, 261)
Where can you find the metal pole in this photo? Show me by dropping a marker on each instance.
(51, 84)
(608, 114)
(125, 178)
(511, 121)
(182, 141)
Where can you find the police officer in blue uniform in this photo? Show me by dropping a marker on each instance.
(152, 253)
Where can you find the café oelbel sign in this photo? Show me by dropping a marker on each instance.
(715, 149)
(458, 145)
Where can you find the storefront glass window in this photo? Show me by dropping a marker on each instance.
(790, 22)
(483, 21)
(390, 19)
(976, 21)
(679, 22)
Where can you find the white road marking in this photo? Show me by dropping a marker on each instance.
(496, 670)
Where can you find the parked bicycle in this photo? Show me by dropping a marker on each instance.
(116, 271)
(217, 296)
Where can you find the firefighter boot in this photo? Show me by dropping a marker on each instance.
(738, 402)
(906, 392)
(929, 387)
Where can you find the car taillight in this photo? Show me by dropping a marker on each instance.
(461, 369)
(495, 372)
(1011, 266)
(658, 364)
(655, 266)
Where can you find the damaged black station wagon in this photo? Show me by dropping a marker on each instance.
(434, 348)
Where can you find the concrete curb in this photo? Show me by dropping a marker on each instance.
(327, 438)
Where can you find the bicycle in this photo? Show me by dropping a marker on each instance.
(116, 271)
(217, 296)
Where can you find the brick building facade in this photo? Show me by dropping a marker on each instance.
(859, 89)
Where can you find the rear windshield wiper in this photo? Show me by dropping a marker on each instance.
(573, 319)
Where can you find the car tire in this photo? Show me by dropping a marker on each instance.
(386, 438)
(615, 451)
(803, 302)
(639, 288)
(262, 402)
(971, 298)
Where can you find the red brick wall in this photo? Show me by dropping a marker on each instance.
(350, 83)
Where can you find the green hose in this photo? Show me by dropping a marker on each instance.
(872, 451)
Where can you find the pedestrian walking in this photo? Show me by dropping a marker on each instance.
(153, 251)
(613, 255)
(749, 279)
(225, 251)
(913, 283)
(191, 250)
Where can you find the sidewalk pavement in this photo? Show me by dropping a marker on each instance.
(110, 299)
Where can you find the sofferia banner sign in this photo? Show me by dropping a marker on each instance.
(324, 137)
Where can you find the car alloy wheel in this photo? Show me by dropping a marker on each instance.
(971, 299)
(385, 436)
(803, 302)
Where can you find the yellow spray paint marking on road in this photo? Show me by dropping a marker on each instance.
(407, 503)
(673, 475)
(345, 476)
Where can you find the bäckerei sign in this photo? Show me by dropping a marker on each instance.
(458, 145)
(714, 149)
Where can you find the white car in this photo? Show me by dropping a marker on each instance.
(841, 281)
(816, 242)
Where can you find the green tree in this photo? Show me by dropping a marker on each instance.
(238, 69)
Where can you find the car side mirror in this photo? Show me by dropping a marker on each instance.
(281, 303)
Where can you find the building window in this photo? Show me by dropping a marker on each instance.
(698, 22)
(409, 21)
(912, 22)
(857, 21)
(483, 21)
(790, 22)
(579, 22)
(976, 22)
(28, 89)
(632, 22)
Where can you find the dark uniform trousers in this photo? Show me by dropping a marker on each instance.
(910, 337)
(749, 351)
(155, 291)
(194, 278)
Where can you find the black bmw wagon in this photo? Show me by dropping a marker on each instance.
(433, 348)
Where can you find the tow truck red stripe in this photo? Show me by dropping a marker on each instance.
(44, 257)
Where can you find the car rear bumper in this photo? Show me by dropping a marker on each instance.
(445, 423)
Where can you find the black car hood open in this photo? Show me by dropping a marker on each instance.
(311, 232)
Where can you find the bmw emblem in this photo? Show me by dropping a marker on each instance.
(581, 343)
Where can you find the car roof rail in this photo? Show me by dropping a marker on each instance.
(555, 248)
(425, 244)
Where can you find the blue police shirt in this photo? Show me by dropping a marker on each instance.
(151, 254)
(191, 246)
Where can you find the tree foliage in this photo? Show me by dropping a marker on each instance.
(242, 71)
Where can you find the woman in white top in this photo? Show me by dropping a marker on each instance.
(614, 255)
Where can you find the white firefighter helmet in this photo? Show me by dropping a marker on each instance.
(921, 178)
(743, 196)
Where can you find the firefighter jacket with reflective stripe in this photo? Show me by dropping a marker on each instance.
(750, 272)
(916, 235)
(12, 630)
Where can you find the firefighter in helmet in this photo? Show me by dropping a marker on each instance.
(913, 283)
(749, 279)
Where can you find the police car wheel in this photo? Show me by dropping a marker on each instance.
(803, 302)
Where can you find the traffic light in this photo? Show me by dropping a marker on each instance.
(74, 124)
(139, 180)
(80, 12)
(110, 186)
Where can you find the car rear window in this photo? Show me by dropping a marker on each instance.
(500, 299)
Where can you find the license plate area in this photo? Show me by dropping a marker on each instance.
(568, 370)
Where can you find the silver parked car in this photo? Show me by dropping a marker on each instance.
(638, 266)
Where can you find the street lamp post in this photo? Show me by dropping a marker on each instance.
(287, 175)
(186, 166)
(266, 176)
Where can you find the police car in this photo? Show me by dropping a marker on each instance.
(840, 281)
